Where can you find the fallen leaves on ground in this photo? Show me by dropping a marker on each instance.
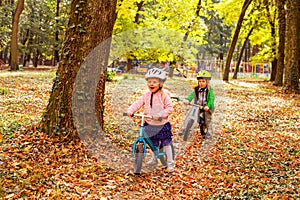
(254, 153)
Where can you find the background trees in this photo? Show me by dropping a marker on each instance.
(40, 34)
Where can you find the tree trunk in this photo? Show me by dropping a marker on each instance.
(139, 8)
(35, 59)
(82, 70)
(14, 65)
(129, 65)
(292, 53)
(280, 56)
(234, 39)
(241, 54)
(193, 21)
(271, 21)
(56, 52)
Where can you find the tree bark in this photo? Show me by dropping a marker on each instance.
(280, 55)
(14, 36)
(241, 54)
(186, 35)
(234, 39)
(79, 86)
(292, 53)
(56, 51)
(273, 45)
(139, 8)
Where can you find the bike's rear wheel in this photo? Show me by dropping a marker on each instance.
(138, 158)
(187, 130)
(163, 159)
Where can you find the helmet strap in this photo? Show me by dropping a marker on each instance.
(151, 98)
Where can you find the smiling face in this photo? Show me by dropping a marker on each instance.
(153, 84)
(202, 83)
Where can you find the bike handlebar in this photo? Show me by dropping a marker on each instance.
(142, 115)
(192, 104)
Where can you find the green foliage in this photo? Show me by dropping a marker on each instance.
(5, 28)
(125, 76)
(37, 26)
(3, 91)
(154, 33)
(159, 33)
(110, 76)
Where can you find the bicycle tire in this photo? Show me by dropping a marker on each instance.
(163, 159)
(187, 130)
(138, 158)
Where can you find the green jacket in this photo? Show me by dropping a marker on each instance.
(210, 97)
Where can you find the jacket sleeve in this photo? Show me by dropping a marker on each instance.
(136, 105)
(191, 96)
(211, 99)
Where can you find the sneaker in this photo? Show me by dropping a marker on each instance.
(180, 133)
(170, 166)
(208, 135)
(152, 161)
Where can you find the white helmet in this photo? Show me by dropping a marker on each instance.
(156, 73)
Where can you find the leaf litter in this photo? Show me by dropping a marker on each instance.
(254, 153)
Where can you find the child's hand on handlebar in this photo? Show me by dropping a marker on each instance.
(130, 114)
(206, 108)
(155, 117)
(185, 101)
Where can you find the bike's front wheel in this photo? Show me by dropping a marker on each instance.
(138, 158)
(187, 130)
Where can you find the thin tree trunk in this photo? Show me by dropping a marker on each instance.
(14, 36)
(234, 39)
(186, 35)
(271, 21)
(139, 8)
(56, 51)
(280, 56)
(241, 54)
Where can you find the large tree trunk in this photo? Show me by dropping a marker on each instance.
(234, 39)
(14, 36)
(82, 69)
(292, 53)
(280, 55)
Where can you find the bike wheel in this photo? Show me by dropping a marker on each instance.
(163, 159)
(138, 158)
(187, 130)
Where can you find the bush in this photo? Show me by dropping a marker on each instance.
(110, 76)
(3, 91)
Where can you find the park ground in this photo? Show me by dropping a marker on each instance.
(254, 153)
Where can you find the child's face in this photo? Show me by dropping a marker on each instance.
(153, 84)
(202, 83)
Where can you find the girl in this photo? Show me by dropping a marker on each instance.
(203, 95)
(158, 104)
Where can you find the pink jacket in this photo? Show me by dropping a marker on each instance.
(162, 106)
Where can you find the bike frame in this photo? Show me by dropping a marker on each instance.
(144, 138)
(192, 115)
